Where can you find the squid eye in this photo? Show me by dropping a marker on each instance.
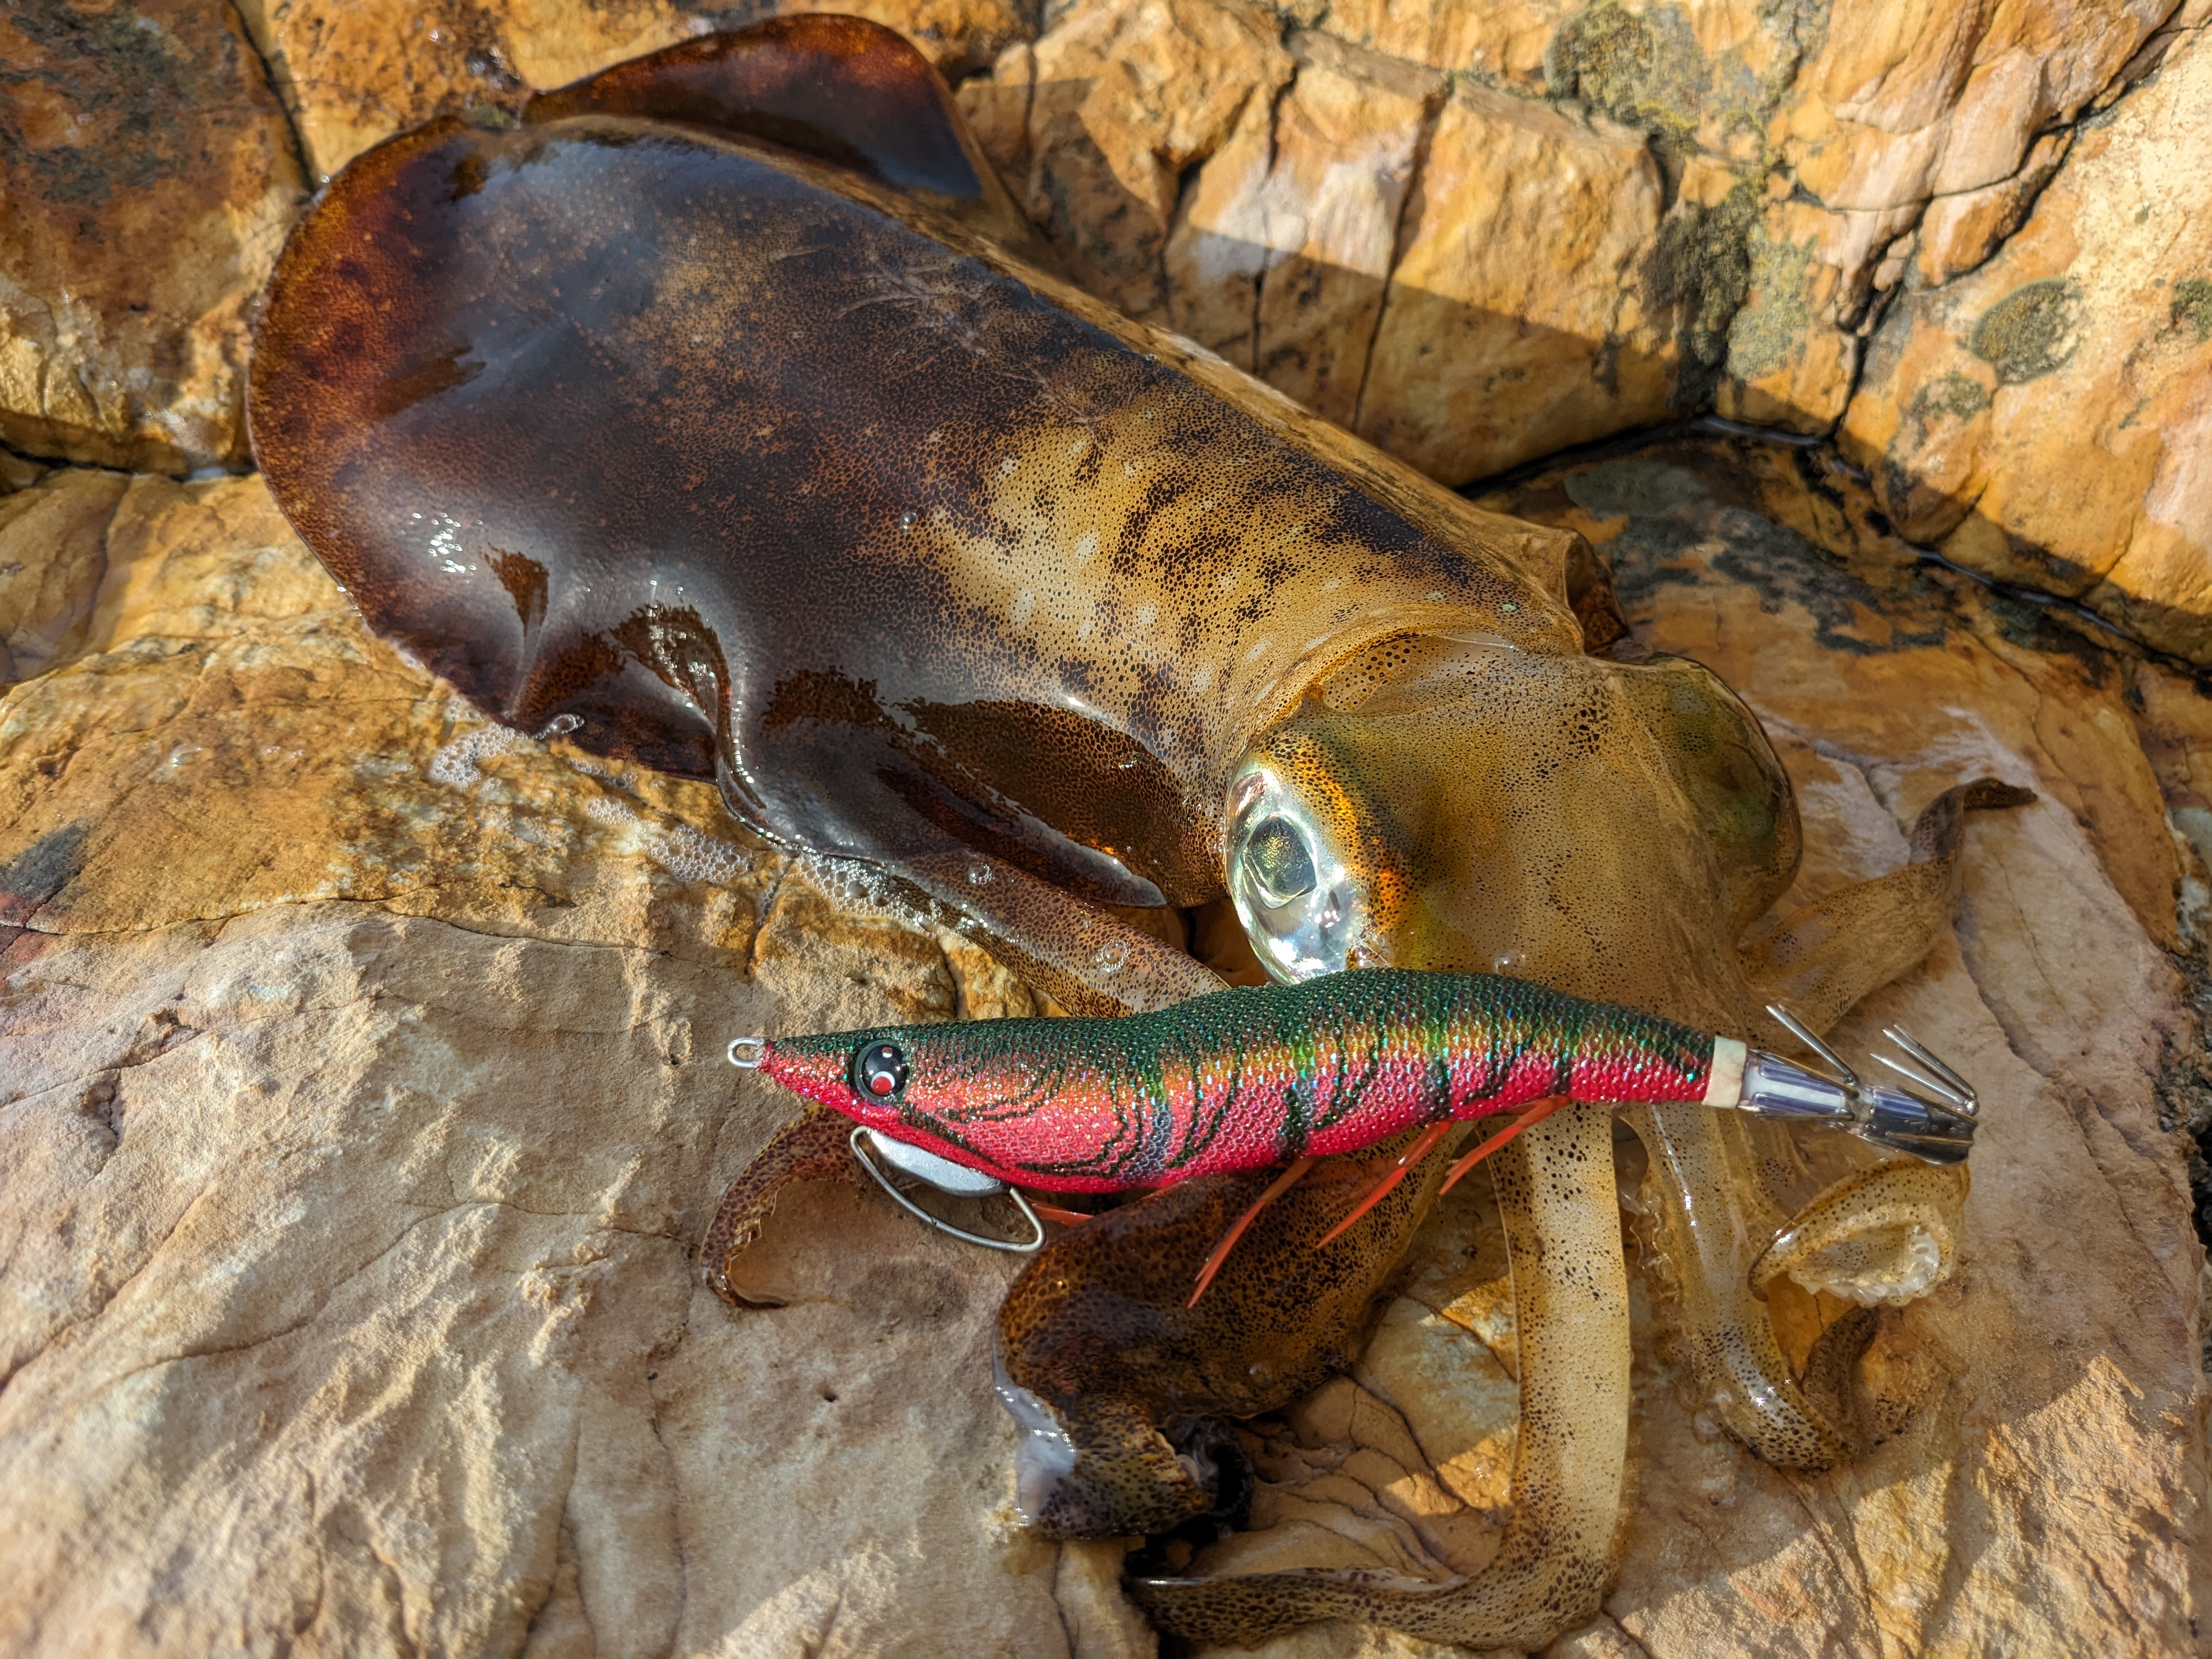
(880, 1070)
(1302, 901)
(1278, 862)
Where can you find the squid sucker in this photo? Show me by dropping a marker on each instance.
(1249, 1078)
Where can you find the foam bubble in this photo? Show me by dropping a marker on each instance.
(686, 853)
(456, 763)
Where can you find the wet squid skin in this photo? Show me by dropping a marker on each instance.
(708, 417)
(752, 467)
(1100, 1341)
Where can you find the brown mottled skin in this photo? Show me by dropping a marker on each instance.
(771, 475)
(1100, 1329)
(711, 410)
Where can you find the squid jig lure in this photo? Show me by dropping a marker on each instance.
(1249, 1078)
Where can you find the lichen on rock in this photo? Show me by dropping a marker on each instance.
(149, 178)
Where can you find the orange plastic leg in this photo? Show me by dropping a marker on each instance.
(1412, 1155)
(1281, 1184)
(1053, 1213)
(1528, 1120)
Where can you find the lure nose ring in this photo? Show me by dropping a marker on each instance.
(746, 1053)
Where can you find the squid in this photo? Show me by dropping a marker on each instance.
(722, 414)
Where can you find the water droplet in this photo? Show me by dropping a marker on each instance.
(1113, 955)
(1508, 962)
(979, 874)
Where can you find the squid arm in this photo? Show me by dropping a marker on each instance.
(1571, 1287)
(1888, 1233)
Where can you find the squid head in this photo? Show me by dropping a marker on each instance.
(1450, 801)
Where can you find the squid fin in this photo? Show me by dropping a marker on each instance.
(837, 88)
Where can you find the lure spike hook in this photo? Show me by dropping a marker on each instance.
(1946, 1081)
(1804, 1034)
(1934, 1119)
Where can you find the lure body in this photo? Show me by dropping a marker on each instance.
(1244, 1080)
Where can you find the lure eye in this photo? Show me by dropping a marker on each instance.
(880, 1070)
(1278, 861)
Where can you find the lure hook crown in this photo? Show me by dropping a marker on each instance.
(1933, 1121)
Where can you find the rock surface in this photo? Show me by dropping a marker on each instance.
(361, 1090)
(2048, 418)
(364, 1098)
(1615, 211)
(147, 179)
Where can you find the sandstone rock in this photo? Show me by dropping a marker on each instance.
(363, 1102)
(1619, 211)
(1895, 114)
(1501, 46)
(1959, 232)
(1124, 99)
(2046, 418)
(52, 555)
(1278, 260)
(1467, 279)
(352, 72)
(2174, 714)
(147, 177)
(1517, 320)
(1789, 364)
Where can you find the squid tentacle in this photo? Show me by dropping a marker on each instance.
(812, 1147)
(1884, 1235)
(1825, 958)
(1556, 1196)
(1710, 1221)
(1718, 1229)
